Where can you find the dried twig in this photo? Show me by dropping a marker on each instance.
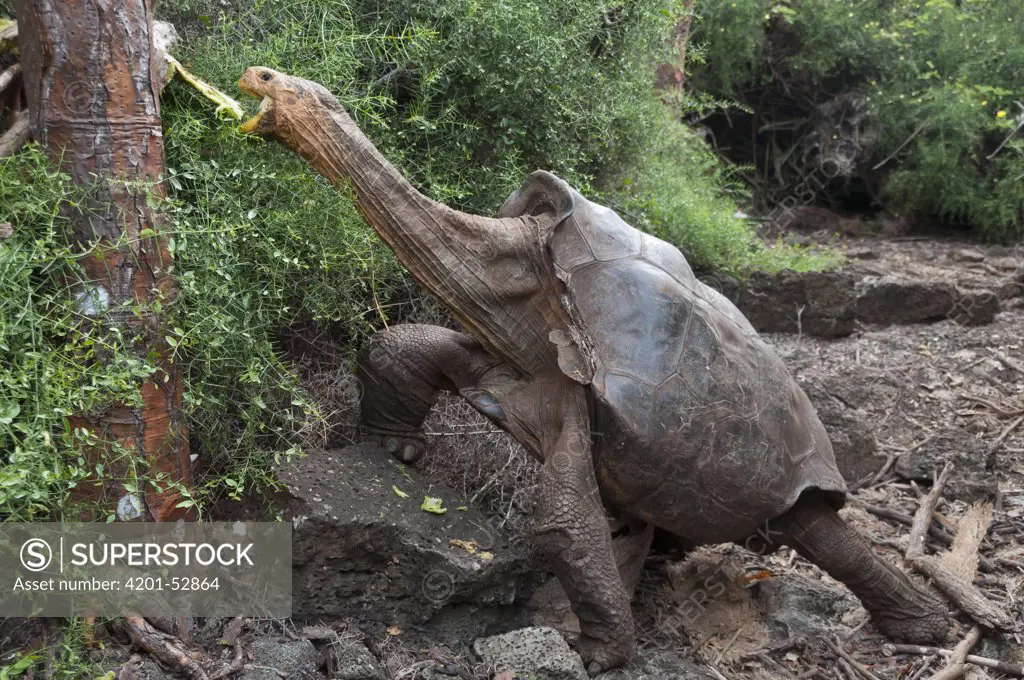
(837, 648)
(908, 140)
(890, 459)
(1009, 136)
(236, 665)
(934, 531)
(232, 635)
(970, 600)
(990, 459)
(957, 667)
(924, 667)
(848, 672)
(795, 642)
(999, 410)
(938, 533)
(923, 517)
(1006, 361)
(994, 664)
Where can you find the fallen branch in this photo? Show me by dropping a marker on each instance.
(968, 598)
(15, 137)
(162, 647)
(994, 664)
(9, 76)
(954, 577)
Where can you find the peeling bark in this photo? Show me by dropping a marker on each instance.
(92, 87)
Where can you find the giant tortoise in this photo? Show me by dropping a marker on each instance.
(644, 393)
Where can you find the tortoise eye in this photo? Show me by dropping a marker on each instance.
(265, 77)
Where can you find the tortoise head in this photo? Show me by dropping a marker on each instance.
(286, 100)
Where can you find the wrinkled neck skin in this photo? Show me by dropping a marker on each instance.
(490, 273)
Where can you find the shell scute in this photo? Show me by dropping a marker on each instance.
(608, 236)
(639, 307)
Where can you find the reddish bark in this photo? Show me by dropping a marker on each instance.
(93, 92)
(672, 76)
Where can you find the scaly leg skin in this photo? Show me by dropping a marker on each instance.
(899, 609)
(402, 370)
(573, 533)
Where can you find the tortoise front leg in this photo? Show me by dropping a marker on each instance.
(401, 371)
(573, 533)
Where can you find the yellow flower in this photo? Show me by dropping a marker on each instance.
(1001, 114)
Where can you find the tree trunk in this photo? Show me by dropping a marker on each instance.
(93, 93)
(671, 77)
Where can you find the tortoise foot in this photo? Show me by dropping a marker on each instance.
(600, 656)
(928, 628)
(408, 447)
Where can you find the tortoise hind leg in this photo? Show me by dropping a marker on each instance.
(402, 370)
(899, 609)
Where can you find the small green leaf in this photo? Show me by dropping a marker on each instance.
(433, 505)
(399, 492)
(9, 413)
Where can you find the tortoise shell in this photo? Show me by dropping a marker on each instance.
(699, 427)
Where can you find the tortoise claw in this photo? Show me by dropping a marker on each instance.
(600, 656)
(406, 448)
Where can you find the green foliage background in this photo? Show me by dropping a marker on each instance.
(944, 74)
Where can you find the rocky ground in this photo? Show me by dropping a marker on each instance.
(385, 589)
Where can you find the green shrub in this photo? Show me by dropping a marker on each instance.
(940, 77)
(40, 379)
(669, 196)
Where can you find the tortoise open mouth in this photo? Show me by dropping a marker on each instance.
(252, 126)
